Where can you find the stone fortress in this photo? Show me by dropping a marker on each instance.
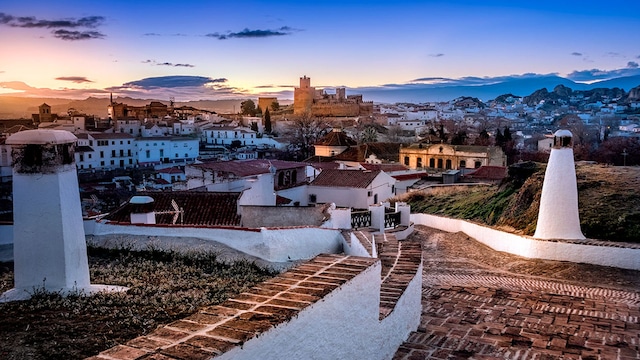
(317, 102)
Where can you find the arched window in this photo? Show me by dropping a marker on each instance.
(478, 164)
(439, 163)
(463, 164)
(419, 162)
(432, 163)
(448, 164)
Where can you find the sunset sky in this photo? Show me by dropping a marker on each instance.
(212, 49)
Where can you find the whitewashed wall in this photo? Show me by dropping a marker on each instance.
(6, 234)
(598, 254)
(344, 325)
(275, 245)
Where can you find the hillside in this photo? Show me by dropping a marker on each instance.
(608, 200)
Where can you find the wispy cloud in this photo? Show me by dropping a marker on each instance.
(74, 79)
(437, 55)
(248, 33)
(59, 27)
(575, 53)
(156, 63)
(632, 64)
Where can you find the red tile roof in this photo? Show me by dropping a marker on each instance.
(489, 173)
(336, 138)
(410, 176)
(200, 208)
(383, 151)
(385, 167)
(345, 178)
(244, 168)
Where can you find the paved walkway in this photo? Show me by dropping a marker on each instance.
(483, 304)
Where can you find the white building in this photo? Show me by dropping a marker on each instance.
(165, 149)
(351, 188)
(105, 151)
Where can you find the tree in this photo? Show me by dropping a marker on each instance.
(483, 139)
(275, 106)
(267, 121)
(305, 131)
(369, 135)
(254, 126)
(248, 107)
(459, 138)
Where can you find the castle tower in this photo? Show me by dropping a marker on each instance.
(558, 215)
(303, 96)
(49, 248)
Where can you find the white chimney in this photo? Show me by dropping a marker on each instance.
(558, 215)
(49, 247)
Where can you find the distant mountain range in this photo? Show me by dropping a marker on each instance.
(482, 88)
(418, 91)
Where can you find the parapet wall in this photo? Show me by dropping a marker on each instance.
(326, 308)
(621, 255)
(270, 244)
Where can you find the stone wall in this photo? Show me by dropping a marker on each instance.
(622, 255)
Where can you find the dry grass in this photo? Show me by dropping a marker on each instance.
(164, 286)
(608, 196)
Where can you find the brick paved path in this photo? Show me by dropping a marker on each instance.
(475, 306)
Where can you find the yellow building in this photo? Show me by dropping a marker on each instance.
(317, 102)
(447, 157)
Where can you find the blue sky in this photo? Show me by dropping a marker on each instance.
(212, 50)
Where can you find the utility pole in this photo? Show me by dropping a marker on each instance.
(624, 157)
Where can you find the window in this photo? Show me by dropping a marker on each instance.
(463, 163)
(312, 198)
(101, 154)
(478, 164)
(439, 163)
(148, 153)
(419, 162)
(81, 157)
(113, 153)
(448, 164)
(101, 163)
(406, 160)
(432, 163)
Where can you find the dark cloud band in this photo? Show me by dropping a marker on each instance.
(74, 79)
(61, 26)
(247, 33)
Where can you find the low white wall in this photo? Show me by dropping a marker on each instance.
(355, 248)
(574, 251)
(275, 245)
(6, 234)
(344, 325)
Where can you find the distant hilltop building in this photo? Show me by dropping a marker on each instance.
(121, 111)
(316, 102)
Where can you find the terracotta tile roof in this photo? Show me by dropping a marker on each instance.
(345, 178)
(244, 168)
(171, 170)
(281, 200)
(410, 176)
(383, 151)
(336, 138)
(200, 208)
(385, 167)
(489, 173)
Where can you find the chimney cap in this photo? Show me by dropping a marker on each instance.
(41, 137)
